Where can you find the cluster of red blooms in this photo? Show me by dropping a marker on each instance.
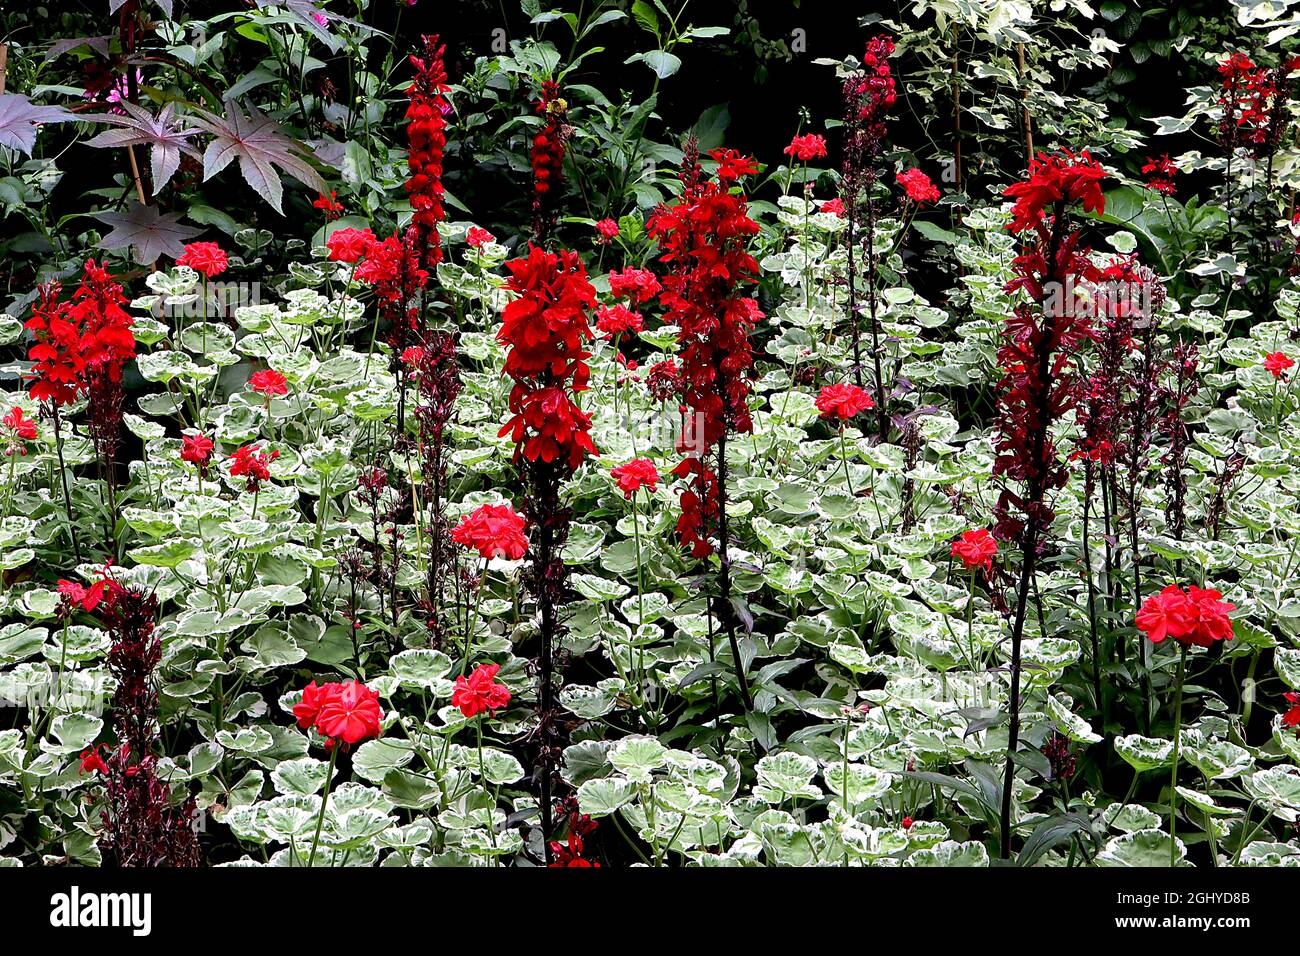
(871, 94)
(638, 286)
(664, 380)
(143, 825)
(1160, 172)
(392, 267)
(494, 531)
(618, 320)
(636, 474)
(579, 825)
(545, 328)
(1196, 617)
(807, 147)
(547, 154)
(80, 341)
(345, 713)
(252, 463)
(918, 186)
(1276, 364)
(480, 692)
(20, 431)
(976, 549)
(1042, 335)
(268, 382)
(426, 137)
(197, 450)
(1252, 102)
(703, 238)
(206, 258)
(844, 401)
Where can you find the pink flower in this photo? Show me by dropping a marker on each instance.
(636, 474)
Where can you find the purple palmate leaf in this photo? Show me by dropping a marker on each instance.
(260, 144)
(19, 118)
(147, 231)
(163, 134)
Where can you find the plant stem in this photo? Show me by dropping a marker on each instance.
(1173, 774)
(325, 799)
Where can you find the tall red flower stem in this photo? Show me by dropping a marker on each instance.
(1040, 341)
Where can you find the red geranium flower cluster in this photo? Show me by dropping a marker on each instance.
(426, 136)
(349, 245)
(844, 401)
(20, 431)
(608, 230)
(480, 692)
(252, 463)
(807, 147)
(636, 474)
(618, 320)
(1276, 364)
(1061, 178)
(1160, 172)
(918, 186)
(703, 237)
(207, 258)
(494, 531)
(329, 205)
(197, 450)
(638, 286)
(268, 382)
(975, 549)
(478, 237)
(1196, 617)
(546, 331)
(346, 713)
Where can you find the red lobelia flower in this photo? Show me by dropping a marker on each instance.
(426, 134)
(1060, 178)
(1159, 173)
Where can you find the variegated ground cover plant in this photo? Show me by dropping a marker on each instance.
(717, 509)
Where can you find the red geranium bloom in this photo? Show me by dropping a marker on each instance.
(480, 693)
(807, 147)
(635, 285)
(976, 549)
(608, 230)
(349, 712)
(918, 186)
(637, 473)
(349, 245)
(87, 598)
(478, 238)
(493, 531)
(329, 205)
(252, 463)
(907, 823)
(618, 320)
(1197, 617)
(1276, 364)
(835, 206)
(197, 450)
(1292, 717)
(309, 707)
(843, 401)
(1062, 177)
(205, 257)
(268, 382)
(92, 762)
(22, 429)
